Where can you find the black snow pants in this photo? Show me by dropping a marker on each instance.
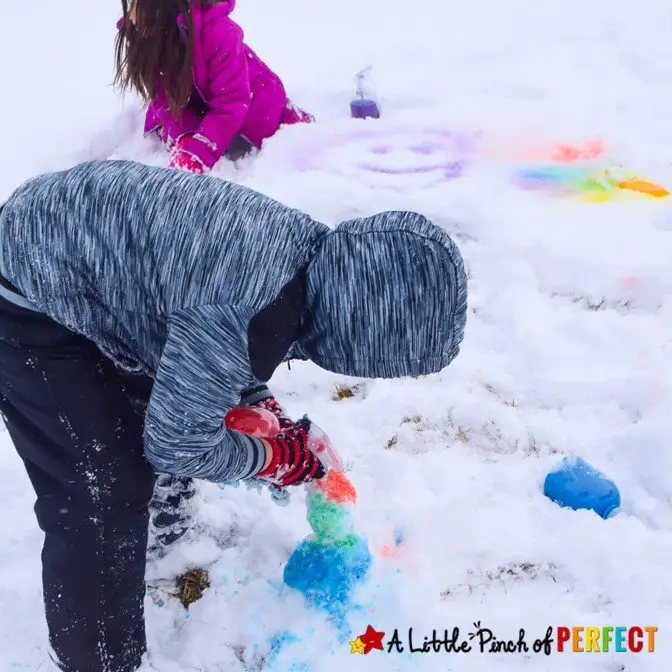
(75, 422)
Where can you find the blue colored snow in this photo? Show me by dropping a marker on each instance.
(277, 643)
(327, 572)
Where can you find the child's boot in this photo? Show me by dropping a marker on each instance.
(171, 510)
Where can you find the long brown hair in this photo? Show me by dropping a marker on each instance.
(156, 52)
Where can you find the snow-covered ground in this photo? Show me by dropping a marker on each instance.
(567, 348)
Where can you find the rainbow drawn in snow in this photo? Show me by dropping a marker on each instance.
(587, 182)
(582, 170)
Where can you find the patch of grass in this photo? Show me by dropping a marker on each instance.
(462, 435)
(190, 586)
(511, 403)
(594, 307)
(504, 574)
(239, 652)
(391, 443)
(521, 571)
(532, 447)
(345, 392)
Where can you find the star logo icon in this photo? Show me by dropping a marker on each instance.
(372, 639)
(357, 646)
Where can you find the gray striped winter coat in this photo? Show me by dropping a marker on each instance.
(207, 286)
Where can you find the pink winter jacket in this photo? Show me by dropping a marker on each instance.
(235, 92)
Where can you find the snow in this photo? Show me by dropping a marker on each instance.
(547, 367)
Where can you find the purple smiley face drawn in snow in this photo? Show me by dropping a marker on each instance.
(385, 154)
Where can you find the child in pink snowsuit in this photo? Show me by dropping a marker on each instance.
(235, 101)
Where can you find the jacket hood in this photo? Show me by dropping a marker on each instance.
(227, 6)
(386, 297)
(230, 5)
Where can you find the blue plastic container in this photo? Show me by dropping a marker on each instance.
(578, 485)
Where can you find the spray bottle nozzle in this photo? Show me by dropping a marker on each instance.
(320, 445)
(360, 81)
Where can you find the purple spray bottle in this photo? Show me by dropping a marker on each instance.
(364, 106)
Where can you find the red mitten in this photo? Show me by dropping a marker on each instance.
(181, 160)
(292, 461)
(271, 404)
(295, 115)
(306, 117)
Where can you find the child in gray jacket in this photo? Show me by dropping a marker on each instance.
(205, 287)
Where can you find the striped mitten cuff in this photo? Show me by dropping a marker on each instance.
(292, 462)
